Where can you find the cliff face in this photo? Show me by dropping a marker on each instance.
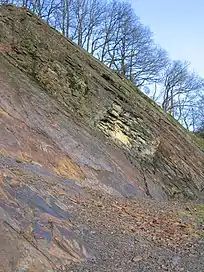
(69, 123)
(162, 160)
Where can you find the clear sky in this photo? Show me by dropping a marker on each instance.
(178, 27)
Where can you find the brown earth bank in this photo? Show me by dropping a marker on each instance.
(94, 176)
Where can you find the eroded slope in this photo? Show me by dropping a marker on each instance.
(75, 141)
(166, 162)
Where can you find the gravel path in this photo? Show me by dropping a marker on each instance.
(118, 243)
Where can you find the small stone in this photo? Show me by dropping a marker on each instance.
(164, 267)
(18, 160)
(176, 260)
(14, 183)
(181, 269)
(117, 108)
(114, 113)
(132, 228)
(99, 204)
(137, 259)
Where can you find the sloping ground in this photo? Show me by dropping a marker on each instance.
(164, 161)
(77, 145)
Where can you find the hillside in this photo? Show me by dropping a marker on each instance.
(88, 163)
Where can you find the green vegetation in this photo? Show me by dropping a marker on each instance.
(198, 140)
(200, 220)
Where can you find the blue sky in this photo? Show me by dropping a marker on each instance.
(178, 26)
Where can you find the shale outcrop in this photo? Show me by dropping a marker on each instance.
(74, 133)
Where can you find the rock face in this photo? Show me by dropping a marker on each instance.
(162, 160)
(67, 124)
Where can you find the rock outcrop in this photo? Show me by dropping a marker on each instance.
(67, 124)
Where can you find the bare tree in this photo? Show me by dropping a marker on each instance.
(179, 86)
(106, 33)
(95, 16)
(128, 47)
(193, 114)
(147, 60)
(113, 33)
(110, 31)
